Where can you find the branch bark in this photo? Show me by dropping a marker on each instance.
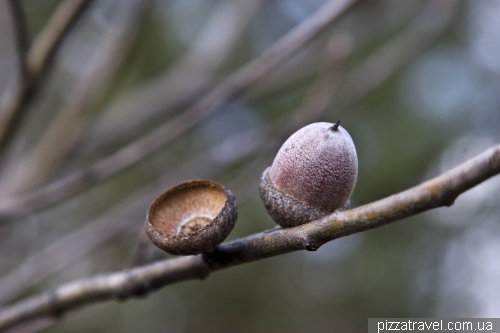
(437, 192)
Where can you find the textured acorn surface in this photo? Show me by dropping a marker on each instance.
(191, 218)
(285, 210)
(317, 165)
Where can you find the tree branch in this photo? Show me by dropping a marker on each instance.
(228, 89)
(437, 192)
(48, 40)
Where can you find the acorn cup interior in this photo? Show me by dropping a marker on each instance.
(192, 217)
(186, 210)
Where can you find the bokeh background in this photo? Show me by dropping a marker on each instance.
(416, 83)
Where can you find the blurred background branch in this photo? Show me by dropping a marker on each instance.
(69, 123)
(50, 37)
(34, 61)
(187, 78)
(402, 48)
(18, 22)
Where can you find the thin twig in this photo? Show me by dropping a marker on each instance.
(36, 61)
(440, 191)
(13, 95)
(20, 37)
(48, 40)
(228, 89)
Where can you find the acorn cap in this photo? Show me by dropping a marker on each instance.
(285, 210)
(191, 218)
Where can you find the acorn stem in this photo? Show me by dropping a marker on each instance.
(335, 126)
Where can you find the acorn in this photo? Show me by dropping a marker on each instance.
(191, 218)
(313, 174)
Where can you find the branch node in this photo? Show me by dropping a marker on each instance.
(312, 246)
(54, 310)
(449, 201)
(135, 287)
(204, 273)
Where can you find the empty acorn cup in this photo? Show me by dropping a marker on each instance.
(191, 218)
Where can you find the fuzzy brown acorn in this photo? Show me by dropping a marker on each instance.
(313, 174)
